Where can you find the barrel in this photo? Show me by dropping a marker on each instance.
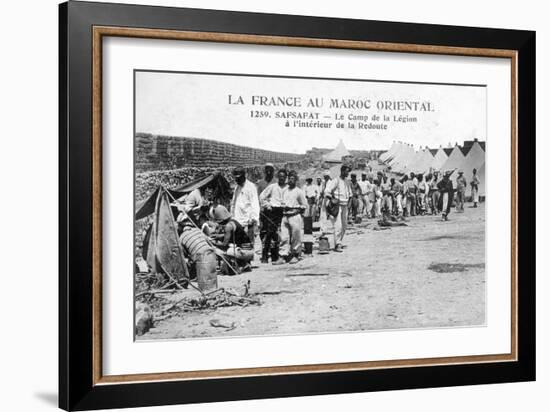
(194, 242)
(205, 266)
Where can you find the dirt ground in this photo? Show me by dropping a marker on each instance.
(428, 274)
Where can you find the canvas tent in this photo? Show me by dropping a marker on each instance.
(161, 246)
(481, 175)
(336, 155)
(473, 160)
(455, 160)
(439, 159)
(423, 162)
(390, 153)
(404, 158)
(219, 185)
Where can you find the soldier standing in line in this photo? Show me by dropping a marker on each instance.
(245, 206)
(461, 185)
(271, 201)
(338, 192)
(387, 201)
(396, 194)
(445, 187)
(475, 187)
(434, 193)
(364, 184)
(269, 171)
(294, 205)
(312, 192)
(356, 196)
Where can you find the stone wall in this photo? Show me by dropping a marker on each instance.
(157, 152)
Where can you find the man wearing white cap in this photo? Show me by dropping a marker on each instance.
(461, 184)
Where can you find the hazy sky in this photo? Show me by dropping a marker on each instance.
(197, 105)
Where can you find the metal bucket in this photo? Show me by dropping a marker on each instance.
(205, 265)
(324, 245)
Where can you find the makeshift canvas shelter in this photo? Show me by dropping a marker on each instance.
(337, 154)
(221, 190)
(161, 247)
(221, 193)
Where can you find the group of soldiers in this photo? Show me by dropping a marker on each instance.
(411, 195)
(276, 207)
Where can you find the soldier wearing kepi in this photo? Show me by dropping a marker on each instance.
(364, 184)
(338, 193)
(294, 205)
(475, 187)
(434, 193)
(321, 203)
(269, 170)
(461, 184)
(319, 184)
(311, 191)
(356, 197)
(271, 201)
(387, 201)
(445, 187)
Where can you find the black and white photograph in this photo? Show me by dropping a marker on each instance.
(277, 205)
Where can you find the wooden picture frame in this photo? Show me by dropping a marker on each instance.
(82, 385)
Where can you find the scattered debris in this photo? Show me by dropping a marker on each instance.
(454, 267)
(154, 292)
(291, 275)
(212, 300)
(276, 292)
(218, 324)
(389, 223)
(441, 237)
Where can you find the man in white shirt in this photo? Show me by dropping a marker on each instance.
(312, 192)
(387, 201)
(294, 205)
(365, 185)
(338, 192)
(245, 206)
(321, 203)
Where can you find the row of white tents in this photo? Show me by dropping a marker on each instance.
(404, 159)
